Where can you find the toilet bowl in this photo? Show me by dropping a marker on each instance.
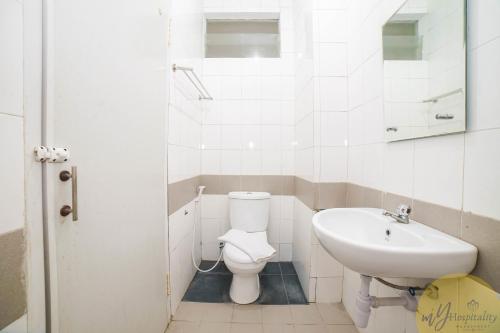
(245, 287)
(248, 212)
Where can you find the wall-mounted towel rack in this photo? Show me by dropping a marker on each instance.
(437, 98)
(204, 94)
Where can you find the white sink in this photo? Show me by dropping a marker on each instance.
(375, 245)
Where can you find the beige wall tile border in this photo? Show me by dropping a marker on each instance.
(12, 285)
(483, 232)
(276, 185)
(181, 193)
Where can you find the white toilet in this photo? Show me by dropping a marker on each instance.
(248, 212)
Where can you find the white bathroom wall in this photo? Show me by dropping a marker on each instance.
(185, 110)
(181, 241)
(459, 171)
(304, 90)
(248, 130)
(302, 248)
(184, 139)
(321, 132)
(330, 90)
(414, 168)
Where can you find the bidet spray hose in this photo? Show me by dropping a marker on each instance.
(196, 201)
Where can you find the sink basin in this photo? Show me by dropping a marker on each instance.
(372, 244)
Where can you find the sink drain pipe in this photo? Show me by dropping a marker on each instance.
(365, 302)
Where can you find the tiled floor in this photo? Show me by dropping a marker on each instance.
(279, 285)
(229, 318)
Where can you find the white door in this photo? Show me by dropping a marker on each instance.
(106, 101)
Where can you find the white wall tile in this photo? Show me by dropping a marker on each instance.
(333, 59)
(230, 162)
(484, 97)
(332, 26)
(272, 162)
(210, 162)
(285, 252)
(439, 170)
(210, 230)
(271, 112)
(333, 93)
(231, 87)
(271, 88)
(231, 137)
(481, 173)
(302, 243)
(331, 4)
(286, 231)
(398, 168)
(251, 87)
(333, 164)
(483, 16)
(333, 129)
(251, 162)
(373, 165)
(211, 137)
(271, 137)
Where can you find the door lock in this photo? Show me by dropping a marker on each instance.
(51, 154)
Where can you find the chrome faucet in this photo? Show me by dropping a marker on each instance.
(402, 214)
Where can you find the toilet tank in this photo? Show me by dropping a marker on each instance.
(249, 211)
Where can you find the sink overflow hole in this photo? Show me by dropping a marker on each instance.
(388, 232)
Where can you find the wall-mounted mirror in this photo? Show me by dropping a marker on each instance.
(425, 69)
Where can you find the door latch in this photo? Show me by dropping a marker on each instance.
(51, 154)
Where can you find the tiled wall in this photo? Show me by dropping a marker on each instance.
(184, 139)
(185, 110)
(456, 171)
(12, 209)
(321, 134)
(180, 244)
(248, 130)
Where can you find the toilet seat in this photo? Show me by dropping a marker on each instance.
(235, 255)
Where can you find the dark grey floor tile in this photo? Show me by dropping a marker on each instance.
(294, 290)
(272, 268)
(279, 285)
(210, 288)
(287, 268)
(272, 290)
(221, 267)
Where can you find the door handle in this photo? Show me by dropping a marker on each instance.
(73, 209)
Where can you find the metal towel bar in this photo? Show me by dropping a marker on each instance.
(204, 94)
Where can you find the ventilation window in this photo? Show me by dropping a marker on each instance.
(242, 38)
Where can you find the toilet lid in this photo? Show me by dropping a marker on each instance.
(236, 255)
